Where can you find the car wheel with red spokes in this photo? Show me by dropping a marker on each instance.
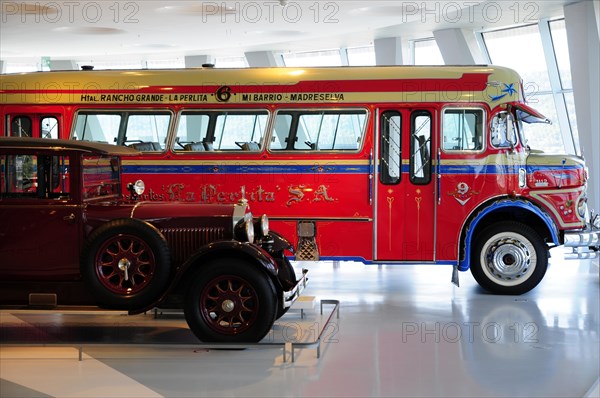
(126, 264)
(229, 300)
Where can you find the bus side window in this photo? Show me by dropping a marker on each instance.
(21, 127)
(390, 148)
(147, 131)
(97, 127)
(463, 129)
(281, 132)
(239, 131)
(49, 127)
(327, 130)
(192, 132)
(420, 148)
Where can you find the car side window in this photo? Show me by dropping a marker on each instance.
(34, 177)
(101, 178)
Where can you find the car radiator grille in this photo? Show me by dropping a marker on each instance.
(183, 242)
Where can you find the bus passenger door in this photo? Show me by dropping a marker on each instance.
(405, 186)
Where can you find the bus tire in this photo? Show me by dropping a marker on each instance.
(126, 264)
(509, 258)
(230, 301)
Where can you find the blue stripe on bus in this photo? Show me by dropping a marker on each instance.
(533, 169)
(479, 169)
(323, 169)
(245, 169)
(294, 169)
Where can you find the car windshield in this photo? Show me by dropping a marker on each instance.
(101, 177)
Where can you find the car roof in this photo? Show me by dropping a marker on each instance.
(73, 145)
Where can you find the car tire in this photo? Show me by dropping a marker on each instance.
(230, 301)
(126, 264)
(509, 258)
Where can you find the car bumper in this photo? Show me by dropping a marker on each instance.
(290, 296)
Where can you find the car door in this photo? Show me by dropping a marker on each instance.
(40, 228)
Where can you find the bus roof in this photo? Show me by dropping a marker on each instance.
(481, 83)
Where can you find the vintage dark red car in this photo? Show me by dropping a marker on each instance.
(68, 237)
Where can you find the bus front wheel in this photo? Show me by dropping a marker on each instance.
(509, 258)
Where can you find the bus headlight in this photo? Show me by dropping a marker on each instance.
(522, 178)
(582, 209)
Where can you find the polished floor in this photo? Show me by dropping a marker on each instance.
(401, 331)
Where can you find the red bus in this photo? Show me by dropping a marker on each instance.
(372, 164)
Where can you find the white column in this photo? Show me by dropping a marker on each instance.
(584, 52)
(597, 12)
(554, 77)
(196, 61)
(62, 64)
(458, 46)
(388, 51)
(260, 59)
(2, 66)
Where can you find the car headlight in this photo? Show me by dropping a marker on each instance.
(261, 226)
(244, 230)
(249, 227)
(137, 187)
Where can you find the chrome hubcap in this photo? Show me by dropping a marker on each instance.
(508, 258)
(124, 264)
(228, 305)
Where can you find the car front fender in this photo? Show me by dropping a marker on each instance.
(231, 248)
